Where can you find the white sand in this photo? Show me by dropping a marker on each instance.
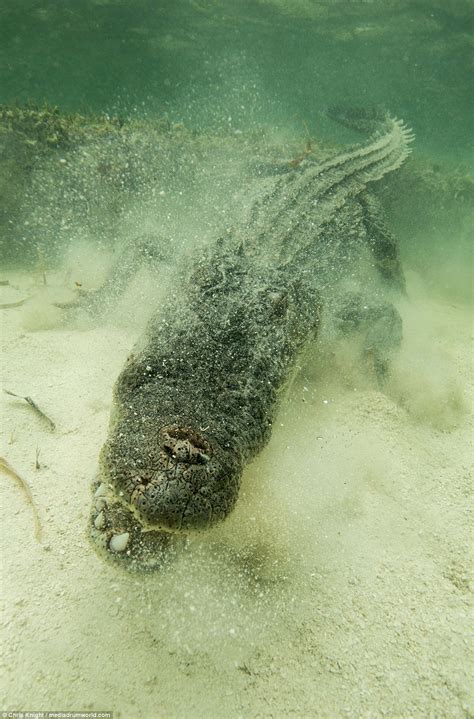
(338, 588)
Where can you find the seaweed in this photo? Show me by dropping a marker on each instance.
(35, 407)
(10, 305)
(6, 468)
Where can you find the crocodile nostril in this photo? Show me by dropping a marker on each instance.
(169, 451)
(183, 445)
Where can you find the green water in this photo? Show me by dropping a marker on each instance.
(339, 587)
(246, 65)
(205, 62)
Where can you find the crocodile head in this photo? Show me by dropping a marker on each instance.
(154, 485)
(172, 479)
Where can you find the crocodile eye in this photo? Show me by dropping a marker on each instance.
(279, 304)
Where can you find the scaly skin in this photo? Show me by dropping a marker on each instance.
(196, 402)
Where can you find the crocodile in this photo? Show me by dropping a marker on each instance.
(198, 395)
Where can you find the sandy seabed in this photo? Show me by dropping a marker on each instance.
(339, 587)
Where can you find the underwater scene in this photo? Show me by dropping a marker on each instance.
(236, 332)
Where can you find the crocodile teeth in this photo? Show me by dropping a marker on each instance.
(101, 490)
(118, 542)
(99, 521)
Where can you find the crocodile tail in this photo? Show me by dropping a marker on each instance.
(387, 149)
(328, 185)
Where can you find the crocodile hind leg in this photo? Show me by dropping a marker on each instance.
(381, 241)
(381, 328)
